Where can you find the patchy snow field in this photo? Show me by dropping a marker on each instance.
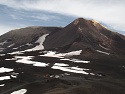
(2, 70)
(40, 41)
(27, 60)
(61, 55)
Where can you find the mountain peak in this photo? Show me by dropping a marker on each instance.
(87, 23)
(94, 22)
(79, 20)
(82, 20)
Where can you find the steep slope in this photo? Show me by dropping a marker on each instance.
(82, 34)
(24, 36)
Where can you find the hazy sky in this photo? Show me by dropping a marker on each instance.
(22, 13)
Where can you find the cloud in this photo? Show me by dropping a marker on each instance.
(110, 12)
(14, 16)
(44, 17)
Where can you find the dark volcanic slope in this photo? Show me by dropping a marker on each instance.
(105, 76)
(82, 34)
(18, 37)
(25, 35)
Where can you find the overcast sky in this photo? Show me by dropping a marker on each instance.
(22, 13)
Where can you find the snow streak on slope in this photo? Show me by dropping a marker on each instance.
(17, 52)
(40, 41)
(27, 60)
(61, 64)
(70, 69)
(103, 47)
(22, 91)
(103, 52)
(75, 60)
(4, 78)
(2, 43)
(61, 55)
(11, 45)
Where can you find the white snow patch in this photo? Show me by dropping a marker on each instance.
(11, 45)
(52, 54)
(73, 53)
(76, 60)
(43, 52)
(51, 75)
(92, 74)
(11, 59)
(2, 54)
(79, 61)
(26, 60)
(65, 59)
(103, 47)
(70, 69)
(57, 76)
(29, 44)
(40, 41)
(21, 91)
(14, 76)
(66, 74)
(2, 70)
(13, 73)
(85, 69)
(61, 55)
(17, 52)
(99, 74)
(1, 48)
(4, 78)
(2, 43)
(15, 48)
(76, 68)
(61, 64)
(103, 52)
(39, 64)
(2, 85)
